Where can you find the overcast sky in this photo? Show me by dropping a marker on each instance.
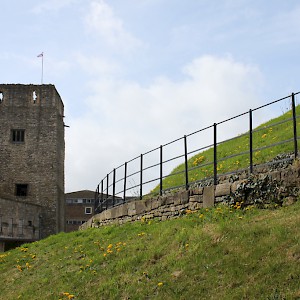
(134, 74)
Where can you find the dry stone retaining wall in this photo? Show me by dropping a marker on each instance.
(278, 186)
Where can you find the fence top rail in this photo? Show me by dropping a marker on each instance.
(275, 101)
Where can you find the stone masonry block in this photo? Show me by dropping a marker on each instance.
(170, 199)
(275, 175)
(196, 198)
(184, 196)
(197, 191)
(131, 208)
(290, 177)
(235, 185)
(119, 211)
(155, 203)
(140, 207)
(222, 189)
(209, 196)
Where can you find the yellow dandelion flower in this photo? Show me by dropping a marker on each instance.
(160, 284)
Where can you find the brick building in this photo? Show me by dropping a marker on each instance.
(79, 208)
(32, 156)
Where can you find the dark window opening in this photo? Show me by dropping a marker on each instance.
(30, 223)
(18, 135)
(21, 190)
(88, 210)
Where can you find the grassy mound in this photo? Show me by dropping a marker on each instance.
(218, 253)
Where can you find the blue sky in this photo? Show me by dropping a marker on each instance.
(134, 74)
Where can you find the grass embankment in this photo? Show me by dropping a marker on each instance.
(218, 253)
(201, 165)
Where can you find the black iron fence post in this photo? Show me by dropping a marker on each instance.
(294, 126)
(125, 181)
(186, 164)
(141, 178)
(250, 142)
(101, 201)
(106, 202)
(114, 187)
(161, 171)
(215, 155)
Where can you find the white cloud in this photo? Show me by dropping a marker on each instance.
(125, 119)
(102, 21)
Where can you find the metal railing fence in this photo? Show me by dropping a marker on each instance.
(154, 167)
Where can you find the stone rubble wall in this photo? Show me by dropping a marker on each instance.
(279, 186)
(19, 220)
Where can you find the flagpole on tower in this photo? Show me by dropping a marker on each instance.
(42, 56)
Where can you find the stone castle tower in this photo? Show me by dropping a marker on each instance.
(32, 151)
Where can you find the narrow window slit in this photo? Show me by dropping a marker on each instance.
(34, 97)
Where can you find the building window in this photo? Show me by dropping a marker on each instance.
(21, 190)
(88, 210)
(18, 135)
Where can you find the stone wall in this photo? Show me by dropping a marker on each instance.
(19, 220)
(279, 186)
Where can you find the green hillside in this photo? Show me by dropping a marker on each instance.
(234, 154)
(219, 253)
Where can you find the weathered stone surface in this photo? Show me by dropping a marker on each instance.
(147, 217)
(276, 175)
(197, 191)
(290, 177)
(170, 199)
(119, 211)
(184, 195)
(131, 208)
(35, 161)
(222, 189)
(235, 185)
(208, 196)
(148, 204)
(196, 198)
(140, 207)
(155, 204)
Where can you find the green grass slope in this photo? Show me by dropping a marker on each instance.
(218, 253)
(234, 154)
